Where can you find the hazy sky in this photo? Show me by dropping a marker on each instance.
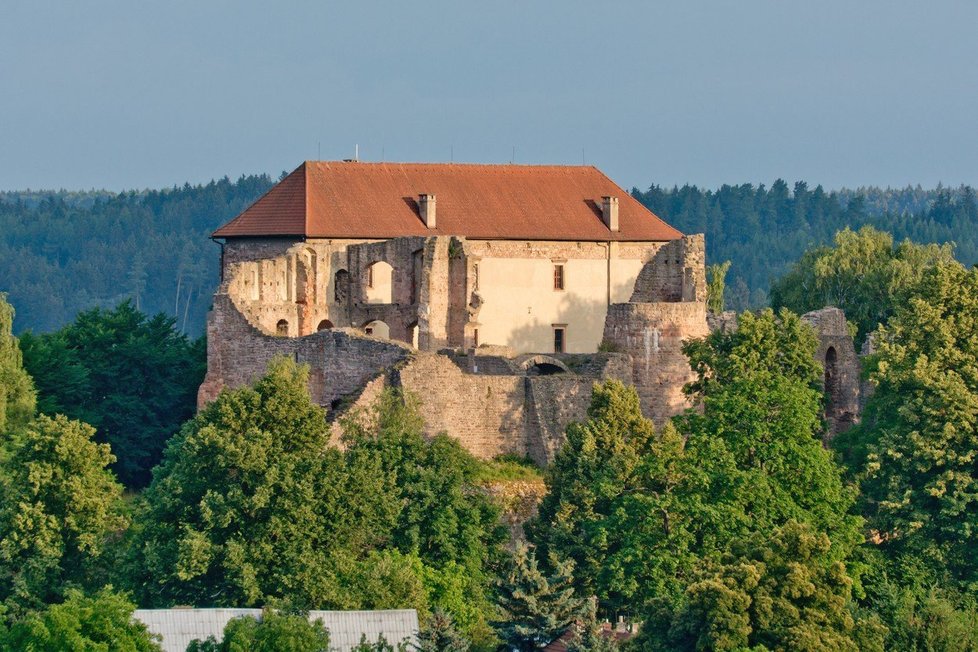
(150, 94)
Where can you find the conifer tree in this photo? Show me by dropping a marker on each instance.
(440, 635)
(534, 608)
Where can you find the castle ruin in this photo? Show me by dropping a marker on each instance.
(497, 294)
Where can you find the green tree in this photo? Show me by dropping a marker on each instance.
(716, 284)
(132, 377)
(758, 436)
(781, 591)
(250, 503)
(600, 462)
(274, 632)
(534, 608)
(440, 635)
(17, 397)
(60, 505)
(102, 621)
(920, 482)
(437, 514)
(591, 635)
(863, 274)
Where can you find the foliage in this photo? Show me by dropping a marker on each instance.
(764, 230)
(380, 645)
(102, 621)
(453, 530)
(716, 284)
(640, 512)
(132, 377)
(60, 504)
(534, 608)
(508, 468)
(758, 437)
(920, 483)
(17, 396)
(598, 464)
(917, 614)
(252, 506)
(863, 274)
(274, 632)
(62, 253)
(440, 635)
(249, 502)
(591, 635)
(779, 591)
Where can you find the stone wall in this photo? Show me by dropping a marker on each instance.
(652, 334)
(341, 361)
(491, 403)
(841, 368)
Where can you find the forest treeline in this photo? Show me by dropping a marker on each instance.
(64, 252)
(763, 230)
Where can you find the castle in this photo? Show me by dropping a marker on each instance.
(497, 293)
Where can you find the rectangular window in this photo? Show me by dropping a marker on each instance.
(559, 339)
(475, 277)
(370, 276)
(475, 337)
(558, 277)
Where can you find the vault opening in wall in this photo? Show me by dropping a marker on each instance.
(324, 325)
(377, 328)
(379, 283)
(282, 328)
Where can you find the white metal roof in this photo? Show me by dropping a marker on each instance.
(179, 627)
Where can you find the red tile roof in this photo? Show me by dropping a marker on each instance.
(380, 200)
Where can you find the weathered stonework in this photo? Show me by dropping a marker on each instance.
(494, 399)
(841, 368)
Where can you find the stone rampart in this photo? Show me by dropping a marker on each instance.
(653, 335)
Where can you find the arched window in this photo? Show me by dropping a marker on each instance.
(380, 286)
(282, 327)
(324, 325)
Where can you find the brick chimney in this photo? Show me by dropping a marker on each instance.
(427, 204)
(609, 212)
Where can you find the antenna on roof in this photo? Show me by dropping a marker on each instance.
(453, 152)
(319, 150)
(514, 154)
(356, 152)
(582, 157)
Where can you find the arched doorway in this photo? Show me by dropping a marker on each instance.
(379, 283)
(377, 328)
(324, 325)
(282, 328)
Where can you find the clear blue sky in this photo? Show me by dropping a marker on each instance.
(138, 94)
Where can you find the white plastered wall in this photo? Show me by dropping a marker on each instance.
(521, 305)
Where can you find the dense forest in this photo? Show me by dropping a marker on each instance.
(762, 231)
(64, 252)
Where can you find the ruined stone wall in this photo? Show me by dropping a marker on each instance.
(495, 413)
(341, 361)
(841, 368)
(653, 334)
(677, 272)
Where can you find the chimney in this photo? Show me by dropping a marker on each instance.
(427, 203)
(609, 212)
